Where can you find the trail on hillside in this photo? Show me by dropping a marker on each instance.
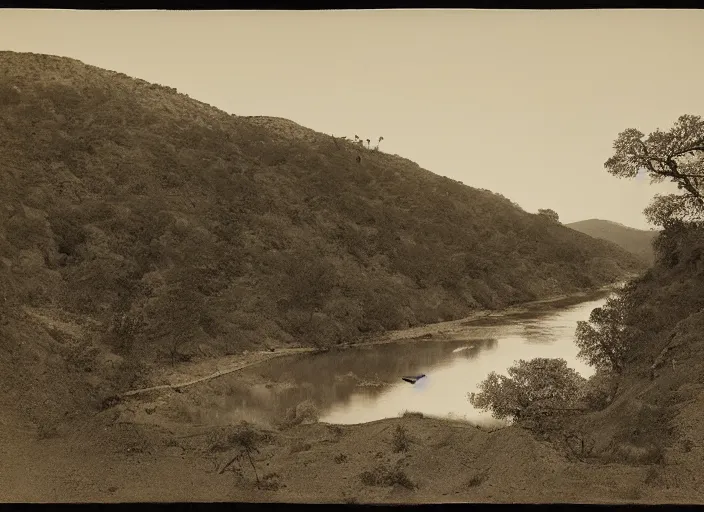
(442, 330)
(265, 356)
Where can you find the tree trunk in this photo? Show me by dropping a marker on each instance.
(253, 467)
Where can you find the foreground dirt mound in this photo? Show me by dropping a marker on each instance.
(439, 461)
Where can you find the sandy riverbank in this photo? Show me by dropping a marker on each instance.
(145, 449)
(183, 375)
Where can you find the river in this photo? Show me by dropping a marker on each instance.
(364, 384)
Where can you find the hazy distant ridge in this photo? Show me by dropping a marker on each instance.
(635, 241)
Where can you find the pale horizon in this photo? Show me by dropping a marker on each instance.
(523, 103)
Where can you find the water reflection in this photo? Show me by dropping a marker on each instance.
(336, 378)
(364, 384)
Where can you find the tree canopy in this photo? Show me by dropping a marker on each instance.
(603, 341)
(539, 383)
(550, 214)
(676, 155)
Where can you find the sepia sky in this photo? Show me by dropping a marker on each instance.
(524, 103)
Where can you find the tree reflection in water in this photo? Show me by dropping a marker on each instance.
(333, 378)
(364, 383)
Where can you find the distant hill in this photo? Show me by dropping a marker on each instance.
(138, 223)
(635, 241)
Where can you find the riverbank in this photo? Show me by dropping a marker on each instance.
(152, 447)
(183, 375)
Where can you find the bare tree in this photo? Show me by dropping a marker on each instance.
(246, 440)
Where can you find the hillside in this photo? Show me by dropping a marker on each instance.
(139, 225)
(655, 416)
(635, 241)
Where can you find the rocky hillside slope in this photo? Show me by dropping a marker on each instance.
(655, 417)
(635, 241)
(137, 224)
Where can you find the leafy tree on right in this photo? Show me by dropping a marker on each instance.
(676, 155)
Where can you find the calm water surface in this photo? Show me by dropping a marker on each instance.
(364, 384)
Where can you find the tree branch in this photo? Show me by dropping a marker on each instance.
(686, 183)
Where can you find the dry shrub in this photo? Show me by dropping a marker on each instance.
(350, 500)
(300, 446)
(270, 482)
(579, 444)
(632, 493)
(400, 442)
(246, 440)
(650, 453)
(242, 435)
(336, 430)
(476, 479)
(687, 445)
(384, 476)
(47, 430)
(304, 413)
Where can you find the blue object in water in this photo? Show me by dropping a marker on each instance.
(413, 379)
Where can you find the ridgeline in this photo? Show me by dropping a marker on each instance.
(636, 241)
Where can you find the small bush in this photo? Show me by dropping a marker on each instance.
(300, 446)
(46, 431)
(340, 458)
(246, 440)
(270, 482)
(476, 480)
(350, 500)
(305, 412)
(655, 454)
(650, 453)
(579, 445)
(400, 442)
(687, 445)
(336, 430)
(108, 402)
(382, 476)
